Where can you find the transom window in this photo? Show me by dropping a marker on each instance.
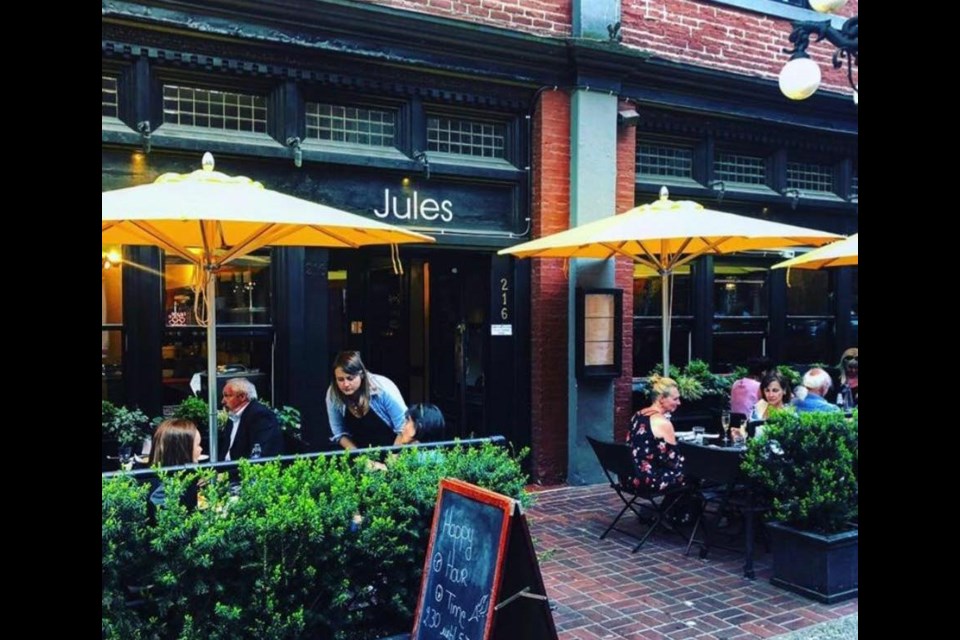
(214, 109)
(664, 160)
(466, 137)
(109, 100)
(737, 168)
(808, 176)
(354, 125)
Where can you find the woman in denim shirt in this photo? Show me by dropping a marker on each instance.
(364, 409)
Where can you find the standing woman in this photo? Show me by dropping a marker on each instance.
(652, 441)
(364, 409)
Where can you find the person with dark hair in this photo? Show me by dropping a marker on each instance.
(745, 392)
(424, 423)
(251, 425)
(175, 442)
(364, 409)
(776, 395)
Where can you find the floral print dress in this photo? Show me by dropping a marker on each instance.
(658, 465)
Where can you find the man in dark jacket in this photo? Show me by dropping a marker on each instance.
(250, 426)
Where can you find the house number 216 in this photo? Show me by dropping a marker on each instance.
(504, 290)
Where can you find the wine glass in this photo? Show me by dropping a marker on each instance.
(725, 423)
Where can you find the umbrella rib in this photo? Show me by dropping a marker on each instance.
(260, 237)
(327, 231)
(152, 233)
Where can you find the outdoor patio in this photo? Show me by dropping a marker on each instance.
(602, 591)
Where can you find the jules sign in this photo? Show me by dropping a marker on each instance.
(414, 207)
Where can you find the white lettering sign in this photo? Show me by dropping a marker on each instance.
(413, 208)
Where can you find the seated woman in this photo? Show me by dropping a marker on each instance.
(364, 409)
(776, 395)
(850, 378)
(175, 442)
(653, 442)
(424, 423)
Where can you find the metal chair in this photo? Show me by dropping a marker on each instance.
(617, 464)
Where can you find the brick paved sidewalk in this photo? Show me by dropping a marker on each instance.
(602, 591)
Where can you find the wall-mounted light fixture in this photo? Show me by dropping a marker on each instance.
(794, 195)
(424, 161)
(628, 116)
(144, 128)
(294, 143)
(800, 77)
(719, 187)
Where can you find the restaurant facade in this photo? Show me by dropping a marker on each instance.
(482, 131)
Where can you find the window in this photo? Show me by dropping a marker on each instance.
(809, 333)
(212, 109)
(353, 125)
(111, 324)
(243, 291)
(109, 101)
(244, 334)
(648, 319)
(807, 177)
(740, 169)
(741, 300)
(466, 137)
(660, 160)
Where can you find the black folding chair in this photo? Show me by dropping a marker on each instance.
(617, 464)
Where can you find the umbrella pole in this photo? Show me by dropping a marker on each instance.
(665, 322)
(211, 302)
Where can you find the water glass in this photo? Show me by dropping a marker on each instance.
(698, 435)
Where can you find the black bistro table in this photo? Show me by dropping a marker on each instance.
(717, 465)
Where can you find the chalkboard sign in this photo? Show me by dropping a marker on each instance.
(473, 554)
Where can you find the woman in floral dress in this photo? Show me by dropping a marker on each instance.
(652, 440)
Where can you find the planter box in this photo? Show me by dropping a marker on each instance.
(822, 567)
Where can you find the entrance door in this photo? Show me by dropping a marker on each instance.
(456, 307)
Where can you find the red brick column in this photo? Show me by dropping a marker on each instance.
(626, 187)
(548, 289)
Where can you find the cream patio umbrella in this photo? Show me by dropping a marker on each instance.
(665, 235)
(209, 219)
(844, 253)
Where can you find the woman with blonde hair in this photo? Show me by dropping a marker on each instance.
(652, 440)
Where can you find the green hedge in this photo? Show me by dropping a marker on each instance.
(808, 463)
(285, 558)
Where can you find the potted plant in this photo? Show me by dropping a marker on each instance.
(291, 425)
(128, 427)
(807, 463)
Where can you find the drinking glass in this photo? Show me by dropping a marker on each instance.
(725, 423)
(698, 435)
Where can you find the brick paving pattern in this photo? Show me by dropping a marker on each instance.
(602, 591)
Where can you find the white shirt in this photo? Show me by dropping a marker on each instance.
(235, 419)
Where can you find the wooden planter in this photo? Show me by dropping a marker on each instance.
(821, 567)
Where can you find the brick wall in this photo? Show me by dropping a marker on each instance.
(689, 31)
(539, 17)
(721, 37)
(626, 176)
(548, 289)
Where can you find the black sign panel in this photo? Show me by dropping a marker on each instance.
(463, 564)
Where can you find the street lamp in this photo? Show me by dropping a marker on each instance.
(800, 77)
